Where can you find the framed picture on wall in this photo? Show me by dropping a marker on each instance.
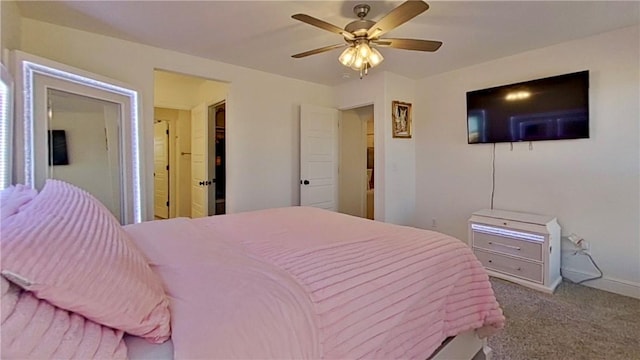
(401, 118)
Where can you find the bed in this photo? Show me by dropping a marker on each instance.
(291, 282)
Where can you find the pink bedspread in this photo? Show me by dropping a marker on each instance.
(306, 283)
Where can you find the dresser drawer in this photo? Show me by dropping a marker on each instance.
(522, 248)
(511, 266)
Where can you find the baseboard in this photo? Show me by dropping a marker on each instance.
(618, 286)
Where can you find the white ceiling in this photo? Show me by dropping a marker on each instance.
(261, 34)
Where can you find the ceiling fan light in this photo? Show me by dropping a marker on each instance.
(348, 56)
(364, 50)
(358, 63)
(363, 35)
(375, 57)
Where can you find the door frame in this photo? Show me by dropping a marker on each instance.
(378, 175)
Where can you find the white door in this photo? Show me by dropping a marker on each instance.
(319, 157)
(199, 162)
(161, 169)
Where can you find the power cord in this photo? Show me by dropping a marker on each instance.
(588, 279)
(493, 174)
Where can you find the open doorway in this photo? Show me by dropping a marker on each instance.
(184, 102)
(217, 158)
(356, 143)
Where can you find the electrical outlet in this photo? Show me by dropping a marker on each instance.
(585, 245)
(574, 238)
(434, 223)
(579, 243)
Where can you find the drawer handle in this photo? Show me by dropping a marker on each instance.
(516, 269)
(505, 245)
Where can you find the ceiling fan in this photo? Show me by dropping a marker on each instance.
(362, 36)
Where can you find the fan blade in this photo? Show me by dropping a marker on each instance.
(323, 25)
(318, 51)
(409, 44)
(397, 17)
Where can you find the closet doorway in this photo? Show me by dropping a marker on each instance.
(217, 159)
(356, 159)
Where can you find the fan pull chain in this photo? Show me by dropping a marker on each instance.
(364, 69)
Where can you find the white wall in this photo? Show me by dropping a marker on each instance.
(262, 108)
(394, 158)
(177, 91)
(400, 154)
(10, 21)
(591, 185)
(89, 166)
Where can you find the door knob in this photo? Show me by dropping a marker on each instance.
(201, 183)
(306, 182)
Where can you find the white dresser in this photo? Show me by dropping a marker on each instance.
(519, 247)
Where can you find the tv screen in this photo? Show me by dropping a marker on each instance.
(552, 108)
(58, 148)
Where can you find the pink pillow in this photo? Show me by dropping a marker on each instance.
(13, 198)
(68, 249)
(34, 329)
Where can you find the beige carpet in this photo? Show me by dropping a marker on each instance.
(577, 322)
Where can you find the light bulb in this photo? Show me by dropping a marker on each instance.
(347, 56)
(364, 50)
(358, 62)
(375, 57)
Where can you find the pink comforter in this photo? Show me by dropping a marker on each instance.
(307, 283)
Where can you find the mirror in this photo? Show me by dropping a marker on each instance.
(83, 145)
(6, 129)
(81, 128)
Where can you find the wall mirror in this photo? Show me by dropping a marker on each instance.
(81, 128)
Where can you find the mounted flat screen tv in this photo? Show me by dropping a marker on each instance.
(552, 108)
(58, 148)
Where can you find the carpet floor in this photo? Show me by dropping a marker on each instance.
(576, 322)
